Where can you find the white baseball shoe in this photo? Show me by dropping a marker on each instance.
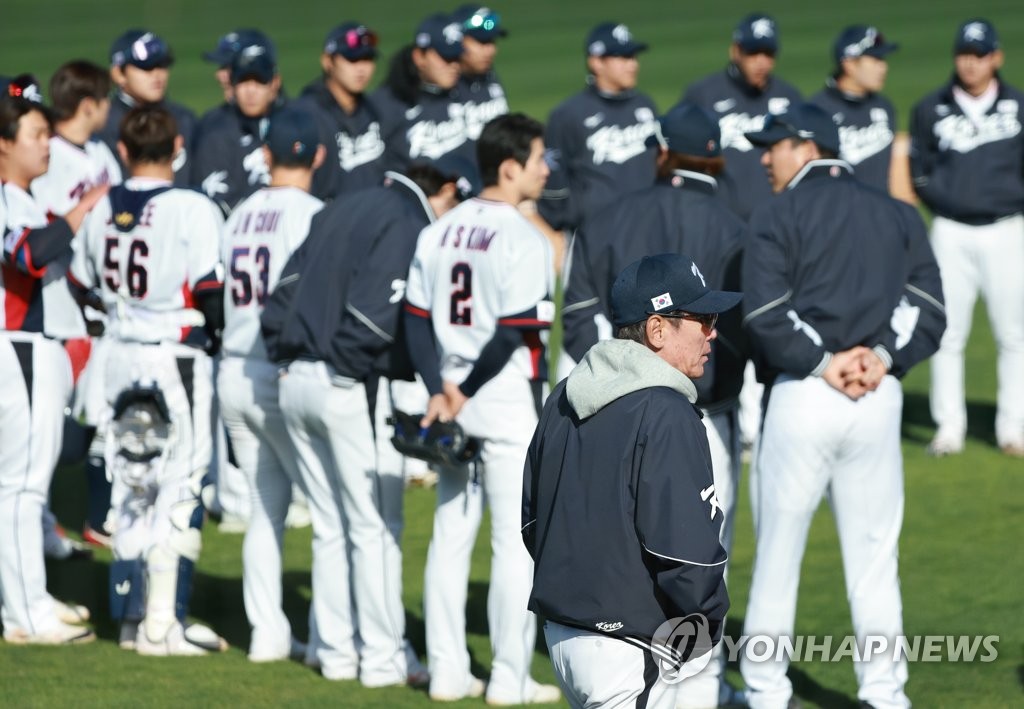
(71, 613)
(63, 634)
(946, 443)
(296, 651)
(537, 693)
(474, 689)
(194, 640)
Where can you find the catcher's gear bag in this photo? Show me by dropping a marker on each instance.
(444, 443)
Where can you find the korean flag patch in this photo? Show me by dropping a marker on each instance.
(662, 301)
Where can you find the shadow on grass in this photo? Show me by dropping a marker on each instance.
(981, 417)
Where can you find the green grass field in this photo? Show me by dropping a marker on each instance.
(961, 569)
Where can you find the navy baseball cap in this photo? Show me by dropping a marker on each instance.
(976, 36)
(805, 121)
(612, 39)
(352, 40)
(292, 136)
(141, 49)
(689, 130)
(665, 283)
(861, 41)
(24, 86)
(756, 33)
(442, 34)
(480, 23)
(254, 62)
(230, 44)
(463, 172)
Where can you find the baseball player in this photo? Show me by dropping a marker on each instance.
(258, 239)
(351, 271)
(481, 92)
(33, 397)
(227, 47)
(840, 301)
(681, 213)
(478, 299)
(79, 92)
(420, 112)
(967, 150)
(140, 64)
(152, 252)
(597, 139)
(349, 126)
(742, 97)
(865, 117)
(619, 506)
(228, 161)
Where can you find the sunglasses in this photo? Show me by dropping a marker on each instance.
(483, 19)
(707, 320)
(360, 37)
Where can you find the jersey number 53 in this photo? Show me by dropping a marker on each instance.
(249, 264)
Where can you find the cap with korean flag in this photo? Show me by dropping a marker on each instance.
(665, 283)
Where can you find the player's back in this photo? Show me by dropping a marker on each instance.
(149, 247)
(481, 262)
(259, 237)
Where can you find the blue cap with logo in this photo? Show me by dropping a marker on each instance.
(612, 39)
(24, 86)
(665, 283)
(442, 34)
(141, 49)
(755, 33)
(352, 40)
(463, 172)
(976, 36)
(805, 121)
(257, 61)
(292, 136)
(861, 41)
(689, 130)
(480, 23)
(230, 44)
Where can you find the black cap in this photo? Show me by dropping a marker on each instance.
(805, 121)
(861, 41)
(442, 34)
(611, 39)
(663, 284)
(141, 49)
(24, 86)
(230, 44)
(689, 130)
(353, 41)
(254, 62)
(976, 36)
(292, 136)
(757, 33)
(480, 23)
(463, 172)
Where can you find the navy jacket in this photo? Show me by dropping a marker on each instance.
(597, 144)
(832, 263)
(971, 173)
(228, 163)
(619, 511)
(483, 100)
(742, 108)
(433, 127)
(340, 294)
(354, 144)
(681, 215)
(186, 119)
(866, 130)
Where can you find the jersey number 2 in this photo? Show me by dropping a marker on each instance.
(138, 278)
(241, 279)
(462, 279)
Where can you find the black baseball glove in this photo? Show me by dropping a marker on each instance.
(441, 443)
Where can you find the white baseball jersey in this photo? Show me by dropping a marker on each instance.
(73, 171)
(259, 237)
(482, 264)
(27, 287)
(148, 257)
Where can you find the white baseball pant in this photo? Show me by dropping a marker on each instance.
(249, 406)
(596, 670)
(816, 441)
(989, 259)
(33, 393)
(234, 491)
(504, 415)
(328, 421)
(723, 430)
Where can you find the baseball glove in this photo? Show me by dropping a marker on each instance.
(441, 443)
